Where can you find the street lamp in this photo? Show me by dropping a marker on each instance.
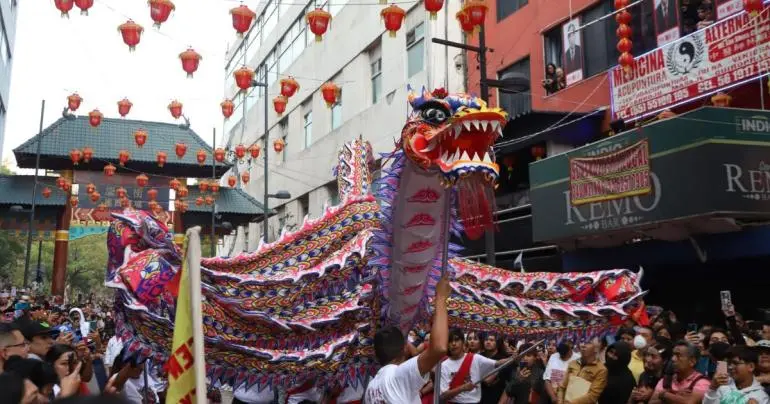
(280, 195)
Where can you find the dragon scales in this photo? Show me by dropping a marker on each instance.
(307, 305)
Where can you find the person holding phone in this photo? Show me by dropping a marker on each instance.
(65, 363)
(527, 386)
(737, 383)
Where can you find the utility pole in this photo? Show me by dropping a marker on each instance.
(34, 196)
(481, 51)
(214, 205)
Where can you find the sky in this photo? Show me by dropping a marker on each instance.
(55, 56)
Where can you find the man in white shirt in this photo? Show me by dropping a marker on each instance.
(557, 367)
(399, 380)
(464, 391)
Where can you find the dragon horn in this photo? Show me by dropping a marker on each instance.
(410, 95)
(426, 95)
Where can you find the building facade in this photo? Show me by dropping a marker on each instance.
(8, 13)
(371, 67)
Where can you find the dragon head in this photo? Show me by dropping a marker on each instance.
(453, 134)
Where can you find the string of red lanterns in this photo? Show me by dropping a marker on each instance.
(624, 33)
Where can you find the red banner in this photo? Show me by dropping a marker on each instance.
(614, 175)
(726, 53)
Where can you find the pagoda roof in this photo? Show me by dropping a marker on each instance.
(229, 200)
(17, 190)
(112, 136)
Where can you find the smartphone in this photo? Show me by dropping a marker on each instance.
(727, 302)
(692, 327)
(721, 367)
(91, 326)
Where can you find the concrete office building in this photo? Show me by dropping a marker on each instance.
(8, 13)
(371, 67)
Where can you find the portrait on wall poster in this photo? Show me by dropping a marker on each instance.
(666, 21)
(573, 51)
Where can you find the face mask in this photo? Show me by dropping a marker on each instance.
(639, 342)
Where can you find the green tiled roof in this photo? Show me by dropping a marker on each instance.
(229, 200)
(113, 135)
(17, 190)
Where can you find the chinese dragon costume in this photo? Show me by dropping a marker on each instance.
(307, 305)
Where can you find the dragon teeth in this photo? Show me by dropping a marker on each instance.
(467, 125)
(429, 148)
(484, 125)
(486, 158)
(457, 130)
(465, 156)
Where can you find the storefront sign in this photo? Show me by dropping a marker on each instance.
(728, 52)
(614, 175)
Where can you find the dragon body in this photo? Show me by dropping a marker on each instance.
(306, 306)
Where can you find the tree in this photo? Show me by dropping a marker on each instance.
(5, 168)
(11, 250)
(87, 264)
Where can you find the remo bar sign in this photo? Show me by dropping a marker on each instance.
(618, 174)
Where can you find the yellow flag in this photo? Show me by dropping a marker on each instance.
(181, 373)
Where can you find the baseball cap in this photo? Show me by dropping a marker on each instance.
(32, 329)
(762, 345)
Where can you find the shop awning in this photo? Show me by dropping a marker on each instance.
(530, 127)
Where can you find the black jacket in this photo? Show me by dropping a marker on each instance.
(620, 380)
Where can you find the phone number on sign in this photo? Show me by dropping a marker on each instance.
(696, 89)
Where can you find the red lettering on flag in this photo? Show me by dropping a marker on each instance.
(183, 352)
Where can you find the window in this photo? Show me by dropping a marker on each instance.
(508, 7)
(4, 54)
(516, 104)
(337, 112)
(270, 18)
(553, 47)
(307, 126)
(376, 80)
(415, 49)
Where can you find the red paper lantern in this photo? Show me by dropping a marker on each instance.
(183, 192)
(160, 10)
(330, 92)
(465, 22)
(623, 31)
(209, 200)
(124, 107)
(109, 170)
(476, 11)
(95, 196)
(161, 157)
(60, 182)
(152, 194)
(753, 7)
(623, 17)
(121, 193)
(175, 107)
(174, 184)
(626, 60)
(132, 33)
(538, 152)
(90, 189)
(219, 154)
(278, 145)
(67, 186)
(625, 45)
(393, 16)
(199, 201)
(140, 137)
(142, 180)
(254, 150)
(289, 86)
(46, 192)
(123, 157)
(242, 19)
(231, 181)
(214, 187)
(125, 203)
(279, 104)
(620, 4)
(240, 151)
(203, 185)
(64, 6)
(74, 201)
(84, 5)
(75, 156)
(243, 77)
(95, 118)
(245, 177)
(201, 156)
(180, 149)
(73, 101)
(433, 7)
(227, 108)
(102, 207)
(318, 22)
(190, 60)
(88, 154)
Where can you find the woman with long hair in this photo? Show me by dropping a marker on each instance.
(492, 387)
(66, 365)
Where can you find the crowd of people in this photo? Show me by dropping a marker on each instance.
(56, 353)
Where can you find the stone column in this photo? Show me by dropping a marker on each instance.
(178, 229)
(61, 245)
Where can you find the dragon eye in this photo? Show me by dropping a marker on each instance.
(434, 115)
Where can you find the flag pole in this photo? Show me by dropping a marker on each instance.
(194, 265)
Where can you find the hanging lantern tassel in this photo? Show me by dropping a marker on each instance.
(318, 21)
(64, 6)
(393, 16)
(330, 92)
(84, 5)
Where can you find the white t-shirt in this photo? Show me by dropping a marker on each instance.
(399, 384)
(313, 395)
(556, 368)
(350, 394)
(114, 346)
(479, 367)
(254, 395)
